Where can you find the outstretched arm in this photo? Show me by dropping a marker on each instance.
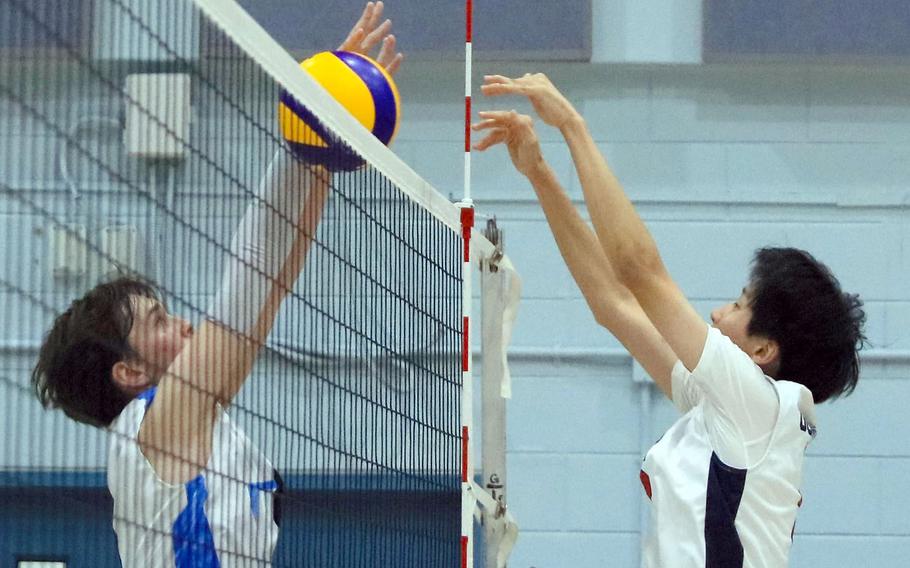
(267, 254)
(611, 303)
(620, 231)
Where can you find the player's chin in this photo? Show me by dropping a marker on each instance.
(173, 353)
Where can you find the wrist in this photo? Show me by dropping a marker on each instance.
(540, 174)
(537, 169)
(573, 125)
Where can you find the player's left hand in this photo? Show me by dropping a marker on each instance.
(369, 31)
(552, 107)
(517, 132)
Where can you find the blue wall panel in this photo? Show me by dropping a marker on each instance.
(505, 29)
(819, 29)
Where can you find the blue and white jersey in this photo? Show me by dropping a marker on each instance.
(724, 481)
(222, 518)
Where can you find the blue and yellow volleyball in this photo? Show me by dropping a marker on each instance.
(363, 87)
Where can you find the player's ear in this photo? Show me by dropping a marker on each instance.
(128, 376)
(766, 352)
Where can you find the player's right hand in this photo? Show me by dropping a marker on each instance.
(370, 30)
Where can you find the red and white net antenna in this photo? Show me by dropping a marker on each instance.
(468, 60)
(467, 224)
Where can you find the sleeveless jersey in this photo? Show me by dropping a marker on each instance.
(223, 517)
(707, 514)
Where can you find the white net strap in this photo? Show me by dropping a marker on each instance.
(501, 521)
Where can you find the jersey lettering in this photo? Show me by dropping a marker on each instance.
(805, 426)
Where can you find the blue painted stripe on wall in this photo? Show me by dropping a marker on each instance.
(293, 482)
(723, 549)
(75, 479)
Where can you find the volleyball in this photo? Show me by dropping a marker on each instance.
(360, 85)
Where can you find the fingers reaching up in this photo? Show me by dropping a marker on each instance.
(371, 30)
(552, 107)
(514, 130)
(499, 125)
(496, 85)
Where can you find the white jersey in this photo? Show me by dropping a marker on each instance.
(223, 517)
(724, 480)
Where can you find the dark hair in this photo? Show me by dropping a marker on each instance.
(74, 365)
(797, 302)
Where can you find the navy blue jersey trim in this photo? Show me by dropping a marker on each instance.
(723, 548)
(277, 498)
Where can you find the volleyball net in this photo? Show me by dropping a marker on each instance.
(138, 137)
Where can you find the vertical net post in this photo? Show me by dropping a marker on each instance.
(467, 393)
(467, 224)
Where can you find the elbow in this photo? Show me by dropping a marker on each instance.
(600, 307)
(601, 316)
(608, 309)
(637, 265)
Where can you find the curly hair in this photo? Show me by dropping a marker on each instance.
(797, 302)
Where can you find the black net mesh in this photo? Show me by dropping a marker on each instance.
(136, 138)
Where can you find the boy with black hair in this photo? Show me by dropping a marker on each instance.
(724, 480)
(189, 488)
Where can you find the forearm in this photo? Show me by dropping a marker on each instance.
(613, 305)
(623, 235)
(303, 237)
(267, 253)
(176, 434)
(261, 246)
(578, 245)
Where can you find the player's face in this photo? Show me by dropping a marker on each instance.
(157, 336)
(733, 319)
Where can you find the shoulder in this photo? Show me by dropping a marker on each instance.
(797, 402)
(720, 348)
(724, 366)
(130, 418)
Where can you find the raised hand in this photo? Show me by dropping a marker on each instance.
(552, 107)
(517, 132)
(371, 30)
